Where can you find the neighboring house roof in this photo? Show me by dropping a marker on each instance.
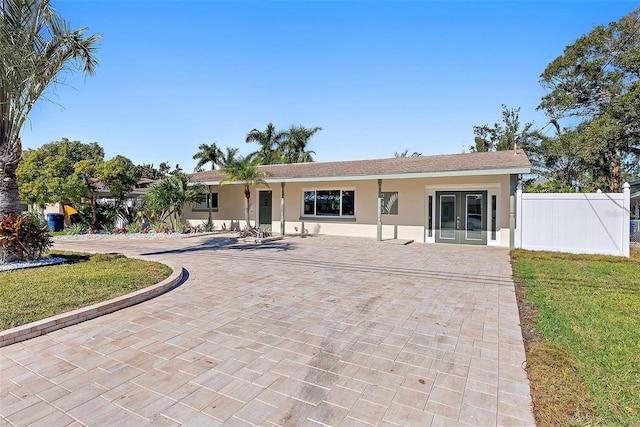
(468, 164)
(635, 184)
(147, 182)
(142, 187)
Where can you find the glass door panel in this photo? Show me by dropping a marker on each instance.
(474, 216)
(448, 213)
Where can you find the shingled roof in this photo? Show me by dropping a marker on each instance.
(468, 164)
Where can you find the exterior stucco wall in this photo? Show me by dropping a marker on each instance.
(231, 207)
(409, 223)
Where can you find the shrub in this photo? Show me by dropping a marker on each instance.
(208, 226)
(106, 216)
(77, 228)
(182, 227)
(161, 227)
(134, 227)
(119, 230)
(23, 237)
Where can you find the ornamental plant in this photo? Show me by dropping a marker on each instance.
(23, 237)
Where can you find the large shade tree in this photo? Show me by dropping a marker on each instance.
(596, 82)
(36, 45)
(73, 173)
(59, 172)
(503, 135)
(560, 156)
(245, 171)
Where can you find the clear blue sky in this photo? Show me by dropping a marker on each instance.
(378, 77)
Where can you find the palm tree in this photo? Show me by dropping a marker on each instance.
(405, 153)
(228, 157)
(245, 170)
(36, 44)
(158, 200)
(269, 141)
(295, 147)
(208, 154)
(167, 199)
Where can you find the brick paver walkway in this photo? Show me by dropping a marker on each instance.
(298, 332)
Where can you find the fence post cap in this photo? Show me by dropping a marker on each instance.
(626, 186)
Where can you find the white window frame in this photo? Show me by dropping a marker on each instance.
(316, 190)
(197, 207)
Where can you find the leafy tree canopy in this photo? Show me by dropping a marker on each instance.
(58, 171)
(596, 82)
(503, 135)
(150, 172)
(119, 175)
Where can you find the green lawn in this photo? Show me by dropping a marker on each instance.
(36, 293)
(586, 367)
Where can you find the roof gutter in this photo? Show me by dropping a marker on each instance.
(410, 175)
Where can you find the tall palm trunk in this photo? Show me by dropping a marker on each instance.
(9, 200)
(247, 194)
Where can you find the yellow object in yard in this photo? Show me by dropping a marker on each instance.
(68, 211)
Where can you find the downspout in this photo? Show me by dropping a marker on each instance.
(282, 208)
(379, 210)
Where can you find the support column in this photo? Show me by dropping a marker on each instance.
(282, 208)
(379, 210)
(517, 222)
(209, 222)
(512, 210)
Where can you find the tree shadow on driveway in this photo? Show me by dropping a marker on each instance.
(226, 243)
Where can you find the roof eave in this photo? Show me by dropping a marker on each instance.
(408, 175)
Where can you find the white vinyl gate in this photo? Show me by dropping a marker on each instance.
(589, 223)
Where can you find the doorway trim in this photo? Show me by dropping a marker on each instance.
(492, 189)
(467, 222)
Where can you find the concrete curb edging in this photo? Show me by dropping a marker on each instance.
(44, 326)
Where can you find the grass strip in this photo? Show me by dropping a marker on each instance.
(37, 293)
(582, 336)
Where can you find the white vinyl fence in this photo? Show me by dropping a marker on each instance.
(588, 223)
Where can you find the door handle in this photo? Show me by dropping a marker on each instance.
(457, 223)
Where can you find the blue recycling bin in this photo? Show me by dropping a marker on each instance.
(55, 221)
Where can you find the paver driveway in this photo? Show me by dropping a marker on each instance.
(301, 332)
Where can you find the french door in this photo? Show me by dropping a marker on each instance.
(461, 217)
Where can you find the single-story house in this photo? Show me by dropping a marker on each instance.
(459, 198)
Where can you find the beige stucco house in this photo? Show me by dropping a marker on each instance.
(459, 198)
